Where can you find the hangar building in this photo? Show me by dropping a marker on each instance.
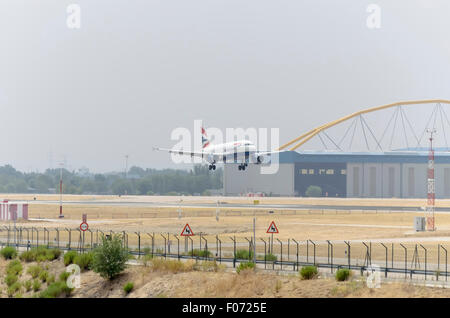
(394, 174)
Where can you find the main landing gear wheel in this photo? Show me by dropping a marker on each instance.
(242, 167)
(212, 167)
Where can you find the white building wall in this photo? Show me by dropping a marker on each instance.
(375, 181)
(420, 180)
(354, 190)
(386, 180)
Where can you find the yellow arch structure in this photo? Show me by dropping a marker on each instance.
(310, 134)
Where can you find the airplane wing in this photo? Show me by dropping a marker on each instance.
(183, 153)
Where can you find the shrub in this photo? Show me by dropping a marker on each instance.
(270, 257)
(34, 270)
(56, 289)
(14, 267)
(69, 257)
(245, 266)
(36, 285)
(64, 276)
(109, 259)
(313, 191)
(128, 287)
(51, 279)
(244, 254)
(8, 252)
(308, 272)
(208, 266)
(83, 260)
(28, 285)
(342, 274)
(52, 254)
(10, 279)
(200, 253)
(27, 256)
(43, 276)
(172, 266)
(14, 288)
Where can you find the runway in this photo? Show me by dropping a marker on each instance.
(239, 206)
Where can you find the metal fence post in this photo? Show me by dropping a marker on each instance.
(139, 243)
(281, 261)
(445, 250)
(297, 252)
(165, 242)
(406, 259)
(330, 248)
(206, 247)
(386, 268)
(178, 246)
(70, 237)
(314, 245)
(265, 253)
(234, 251)
(425, 260)
(348, 253)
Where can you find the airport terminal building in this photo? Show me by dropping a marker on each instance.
(393, 174)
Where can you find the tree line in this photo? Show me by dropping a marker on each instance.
(137, 181)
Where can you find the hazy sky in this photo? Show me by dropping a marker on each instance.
(136, 70)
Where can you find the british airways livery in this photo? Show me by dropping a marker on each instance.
(242, 152)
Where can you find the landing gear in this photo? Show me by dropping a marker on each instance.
(242, 166)
(212, 167)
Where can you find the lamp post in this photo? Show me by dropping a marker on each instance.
(60, 191)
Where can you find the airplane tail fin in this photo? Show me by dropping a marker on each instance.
(205, 140)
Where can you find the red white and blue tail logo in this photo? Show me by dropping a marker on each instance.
(205, 140)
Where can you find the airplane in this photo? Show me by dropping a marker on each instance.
(242, 152)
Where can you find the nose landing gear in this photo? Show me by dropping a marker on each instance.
(212, 167)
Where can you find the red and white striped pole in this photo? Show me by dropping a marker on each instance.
(431, 186)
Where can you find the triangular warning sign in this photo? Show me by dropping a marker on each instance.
(272, 228)
(187, 231)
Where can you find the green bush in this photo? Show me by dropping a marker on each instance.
(43, 276)
(10, 279)
(200, 253)
(128, 287)
(34, 270)
(14, 288)
(313, 191)
(342, 274)
(244, 254)
(28, 285)
(52, 254)
(56, 289)
(110, 257)
(245, 266)
(83, 260)
(69, 257)
(308, 272)
(36, 285)
(27, 256)
(14, 267)
(8, 252)
(270, 257)
(51, 279)
(40, 254)
(64, 276)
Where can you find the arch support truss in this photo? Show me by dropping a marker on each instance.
(299, 141)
